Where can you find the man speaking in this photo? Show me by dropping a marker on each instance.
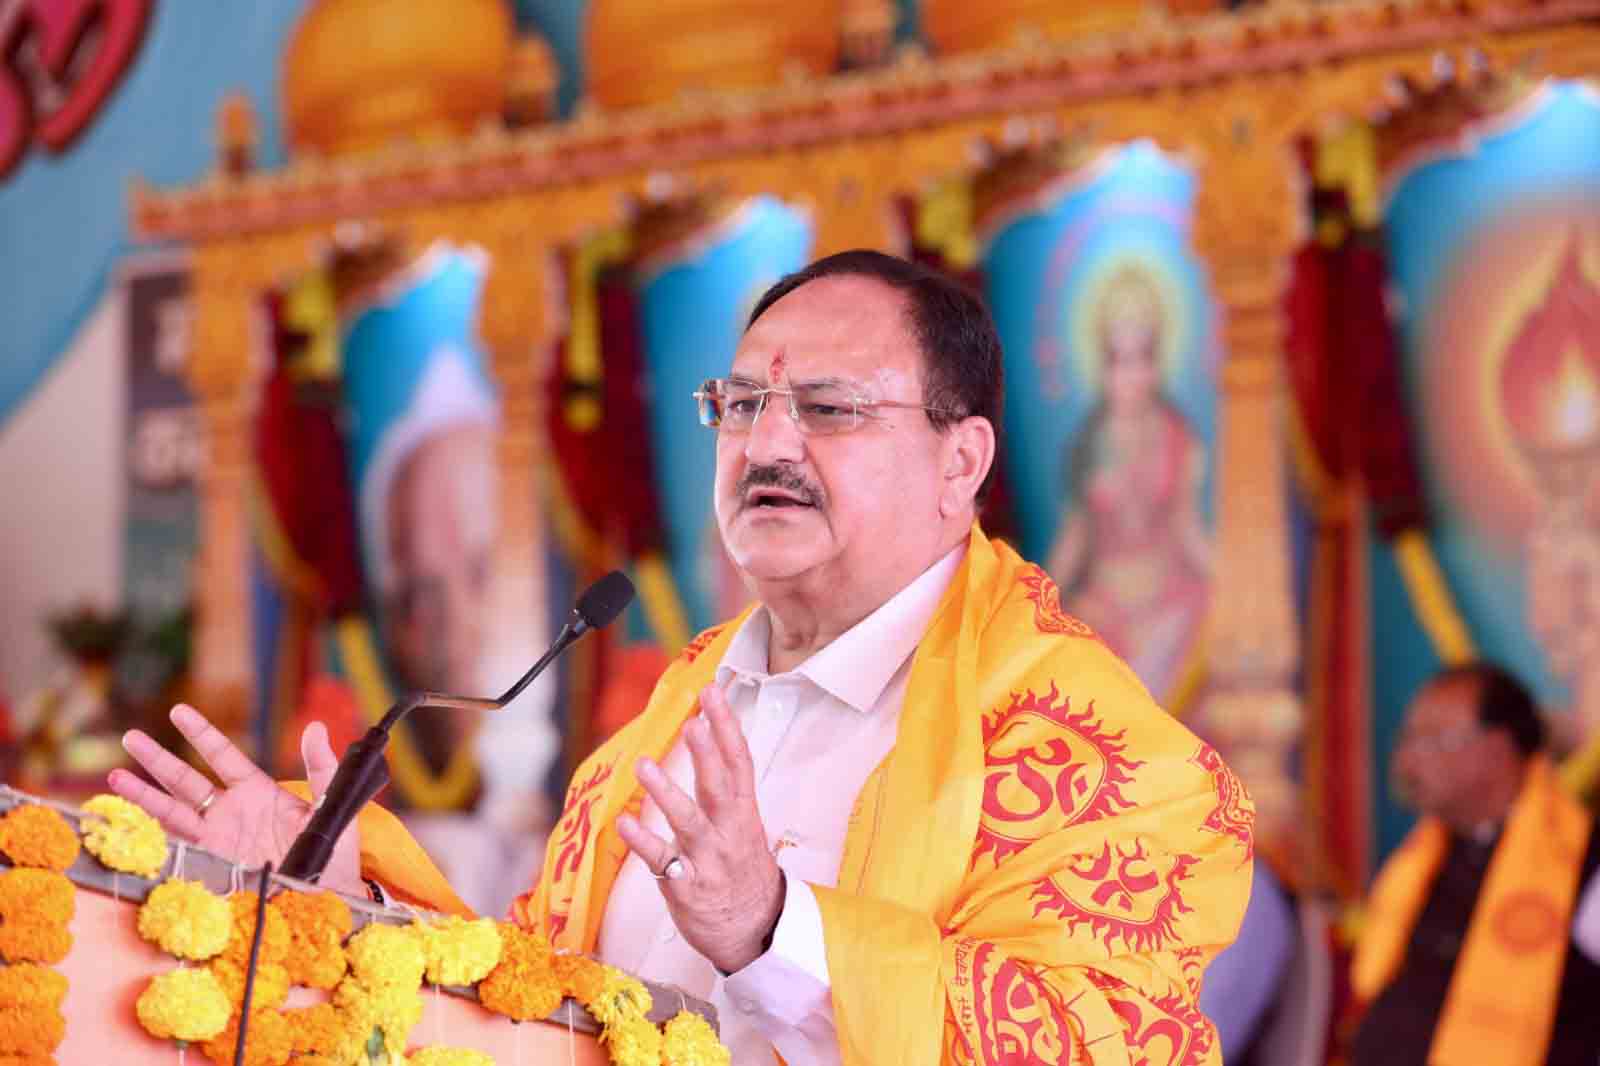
(903, 808)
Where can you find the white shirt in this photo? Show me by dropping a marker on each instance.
(815, 733)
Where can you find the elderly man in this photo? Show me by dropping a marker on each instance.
(1466, 955)
(921, 815)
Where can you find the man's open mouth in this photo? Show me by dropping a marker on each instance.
(770, 497)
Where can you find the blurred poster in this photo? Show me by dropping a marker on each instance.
(694, 298)
(165, 446)
(1495, 255)
(1110, 342)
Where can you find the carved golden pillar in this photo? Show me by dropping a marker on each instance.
(1246, 226)
(222, 669)
(515, 323)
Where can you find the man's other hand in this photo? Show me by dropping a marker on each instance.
(247, 818)
(730, 891)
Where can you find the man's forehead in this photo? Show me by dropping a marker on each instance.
(1446, 701)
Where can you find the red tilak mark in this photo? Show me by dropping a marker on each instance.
(775, 372)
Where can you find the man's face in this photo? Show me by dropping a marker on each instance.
(1445, 758)
(441, 521)
(845, 505)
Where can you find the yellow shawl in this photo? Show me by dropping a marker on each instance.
(1502, 998)
(1039, 871)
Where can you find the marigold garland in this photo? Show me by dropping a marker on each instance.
(185, 1004)
(460, 952)
(31, 1060)
(315, 1030)
(35, 835)
(689, 1040)
(581, 977)
(26, 941)
(186, 919)
(393, 1010)
(522, 985)
(621, 997)
(31, 1030)
(318, 923)
(28, 984)
(123, 837)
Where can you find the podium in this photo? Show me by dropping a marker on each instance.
(110, 965)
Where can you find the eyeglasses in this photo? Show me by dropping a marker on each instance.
(819, 408)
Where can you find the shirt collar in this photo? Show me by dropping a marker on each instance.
(859, 664)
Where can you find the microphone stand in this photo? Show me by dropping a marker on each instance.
(363, 771)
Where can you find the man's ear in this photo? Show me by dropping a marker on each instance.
(966, 457)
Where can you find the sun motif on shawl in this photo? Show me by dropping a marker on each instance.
(1048, 766)
(1159, 1031)
(692, 650)
(1235, 814)
(1127, 892)
(1048, 616)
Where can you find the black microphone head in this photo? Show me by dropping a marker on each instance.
(602, 601)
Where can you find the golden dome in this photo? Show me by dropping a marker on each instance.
(641, 52)
(361, 74)
(954, 26)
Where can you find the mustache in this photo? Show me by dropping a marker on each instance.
(779, 476)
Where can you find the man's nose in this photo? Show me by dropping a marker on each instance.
(774, 436)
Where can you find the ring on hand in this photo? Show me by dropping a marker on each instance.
(671, 871)
(206, 803)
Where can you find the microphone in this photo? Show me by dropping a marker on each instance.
(363, 771)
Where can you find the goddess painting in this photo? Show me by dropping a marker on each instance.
(1132, 554)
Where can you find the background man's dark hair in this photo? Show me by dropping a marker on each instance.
(963, 368)
(1503, 703)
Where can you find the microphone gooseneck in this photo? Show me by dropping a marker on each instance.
(363, 771)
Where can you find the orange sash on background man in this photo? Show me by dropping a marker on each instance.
(1502, 999)
(1038, 872)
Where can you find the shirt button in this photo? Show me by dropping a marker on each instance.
(668, 935)
(748, 1006)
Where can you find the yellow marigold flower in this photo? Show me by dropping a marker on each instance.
(522, 985)
(620, 997)
(22, 940)
(266, 1043)
(35, 835)
(689, 1040)
(274, 938)
(36, 896)
(271, 988)
(448, 1056)
(186, 919)
(384, 955)
(123, 837)
(30, 1030)
(394, 1009)
(28, 984)
(633, 1041)
(318, 924)
(460, 952)
(183, 1004)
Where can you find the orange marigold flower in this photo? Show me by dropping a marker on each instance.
(35, 1060)
(266, 1044)
(28, 984)
(315, 1030)
(581, 977)
(28, 941)
(271, 988)
(274, 939)
(318, 924)
(523, 985)
(30, 1030)
(36, 895)
(36, 835)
